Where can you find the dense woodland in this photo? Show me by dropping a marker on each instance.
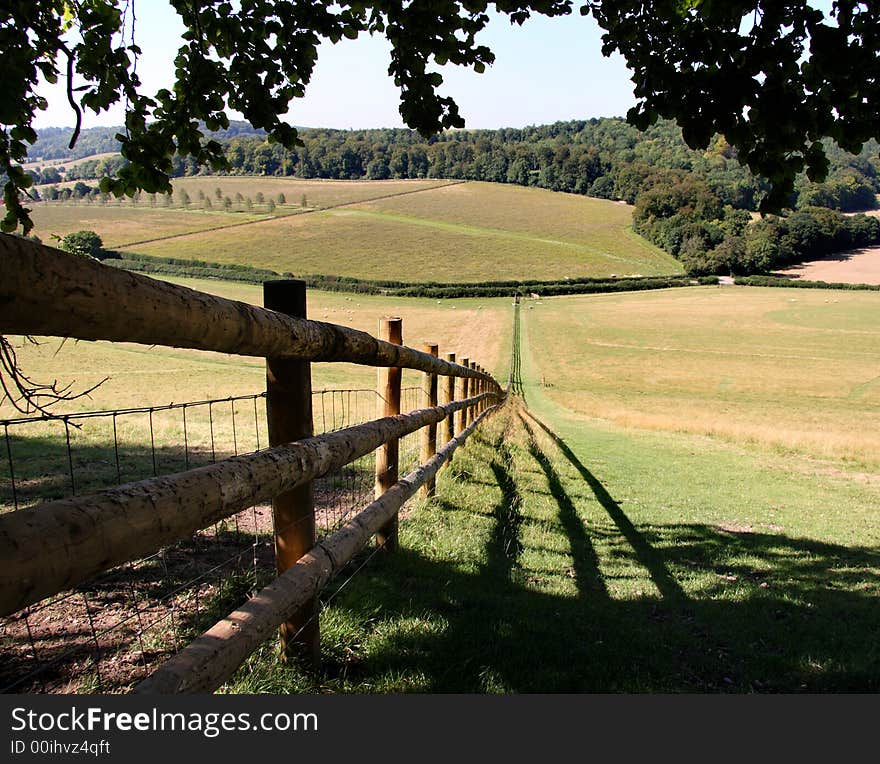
(693, 204)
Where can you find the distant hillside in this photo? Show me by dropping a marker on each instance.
(606, 158)
(52, 142)
(411, 231)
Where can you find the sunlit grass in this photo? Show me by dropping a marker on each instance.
(122, 222)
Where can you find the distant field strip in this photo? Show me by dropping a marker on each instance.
(117, 225)
(723, 352)
(124, 224)
(859, 390)
(544, 216)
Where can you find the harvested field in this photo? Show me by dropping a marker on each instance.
(856, 266)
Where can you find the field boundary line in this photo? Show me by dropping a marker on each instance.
(285, 216)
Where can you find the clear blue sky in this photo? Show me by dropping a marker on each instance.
(546, 70)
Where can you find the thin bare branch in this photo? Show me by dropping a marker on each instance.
(27, 395)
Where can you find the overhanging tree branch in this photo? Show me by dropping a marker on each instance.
(773, 77)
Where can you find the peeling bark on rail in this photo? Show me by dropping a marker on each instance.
(207, 662)
(57, 545)
(47, 292)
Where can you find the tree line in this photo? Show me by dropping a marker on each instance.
(606, 157)
(686, 219)
(694, 204)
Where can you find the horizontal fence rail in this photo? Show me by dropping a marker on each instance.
(211, 659)
(56, 545)
(104, 303)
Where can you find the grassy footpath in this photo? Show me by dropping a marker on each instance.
(563, 553)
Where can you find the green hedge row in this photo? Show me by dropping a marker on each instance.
(248, 274)
(776, 281)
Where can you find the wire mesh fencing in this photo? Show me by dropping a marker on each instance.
(112, 631)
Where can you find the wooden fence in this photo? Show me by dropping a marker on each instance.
(60, 544)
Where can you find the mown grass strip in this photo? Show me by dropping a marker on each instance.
(565, 554)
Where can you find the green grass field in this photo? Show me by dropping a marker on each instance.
(500, 232)
(584, 227)
(684, 502)
(585, 557)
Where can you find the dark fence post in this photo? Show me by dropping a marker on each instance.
(289, 418)
(387, 455)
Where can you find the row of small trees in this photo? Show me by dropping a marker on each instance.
(82, 192)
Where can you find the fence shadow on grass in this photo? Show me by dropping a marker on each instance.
(803, 634)
(763, 612)
(505, 547)
(644, 551)
(586, 563)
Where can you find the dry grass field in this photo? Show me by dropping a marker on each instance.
(118, 225)
(857, 266)
(318, 193)
(583, 225)
(794, 371)
(66, 163)
(122, 222)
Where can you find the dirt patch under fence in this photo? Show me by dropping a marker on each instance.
(113, 631)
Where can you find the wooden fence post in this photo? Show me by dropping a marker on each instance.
(471, 390)
(388, 404)
(429, 433)
(289, 418)
(460, 394)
